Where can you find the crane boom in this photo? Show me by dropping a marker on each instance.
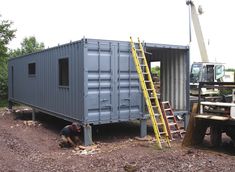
(198, 31)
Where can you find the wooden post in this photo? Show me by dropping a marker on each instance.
(195, 132)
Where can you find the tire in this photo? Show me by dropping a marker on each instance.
(216, 135)
(230, 131)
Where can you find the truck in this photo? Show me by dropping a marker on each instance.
(206, 78)
(203, 71)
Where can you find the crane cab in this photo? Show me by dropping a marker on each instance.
(205, 72)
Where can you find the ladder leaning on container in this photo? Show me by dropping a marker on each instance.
(150, 95)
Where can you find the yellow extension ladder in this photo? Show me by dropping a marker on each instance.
(150, 94)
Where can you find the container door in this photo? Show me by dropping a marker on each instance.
(100, 98)
(129, 93)
(113, 92)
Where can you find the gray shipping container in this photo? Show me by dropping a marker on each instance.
(95, 81)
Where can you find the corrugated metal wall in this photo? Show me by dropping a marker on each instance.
(103, 83)
(42, 90)
(174, 75)
(112, 90)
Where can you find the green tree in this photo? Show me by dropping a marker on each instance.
(6, 35)
(230, 70)
(156, 70)
(28, 45)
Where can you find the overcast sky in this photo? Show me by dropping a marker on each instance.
(58, 21)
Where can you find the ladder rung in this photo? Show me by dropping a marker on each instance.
(169, 116)
(156, 115)
(147, 81)
(166, 102)
(144, 73)
(140, 57)
(173, 123)
(159, 123)
(151, 97)
(163, 141)
(150, 89)
(148, 53)
(176, 131)
(167, 109)
(163, 132)
(143, 65)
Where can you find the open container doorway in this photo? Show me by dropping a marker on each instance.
(170, 73)
(156, 73)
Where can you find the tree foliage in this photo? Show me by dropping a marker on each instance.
(230, 70)
(28, 45)
(156, 70)
(6, 35)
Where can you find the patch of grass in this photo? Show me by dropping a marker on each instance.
(3, 102)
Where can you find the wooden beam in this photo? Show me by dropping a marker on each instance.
(213, 117)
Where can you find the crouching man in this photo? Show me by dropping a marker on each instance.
(69, 135)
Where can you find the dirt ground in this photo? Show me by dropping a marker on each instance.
(34, 147)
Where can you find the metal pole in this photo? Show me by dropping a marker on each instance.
(33, 114)
(143, 128)
(87, 135)
(189, 20)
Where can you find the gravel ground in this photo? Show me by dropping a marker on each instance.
(27, 146)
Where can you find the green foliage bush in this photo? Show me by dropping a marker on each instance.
(28, 45)
(155, 70)
(6, 35)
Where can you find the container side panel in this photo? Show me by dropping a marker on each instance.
(42, 90)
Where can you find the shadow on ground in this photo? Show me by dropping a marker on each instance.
(227, 146)
(104, 133)
(116, 131)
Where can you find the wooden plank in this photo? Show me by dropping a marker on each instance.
(195, 108)
(213, 117)
(218, 104)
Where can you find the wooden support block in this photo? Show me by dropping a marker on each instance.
(195, 132)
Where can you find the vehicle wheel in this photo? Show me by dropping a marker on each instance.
(216, 135)
(230, 131)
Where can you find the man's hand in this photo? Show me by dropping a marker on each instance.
(71, 142)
